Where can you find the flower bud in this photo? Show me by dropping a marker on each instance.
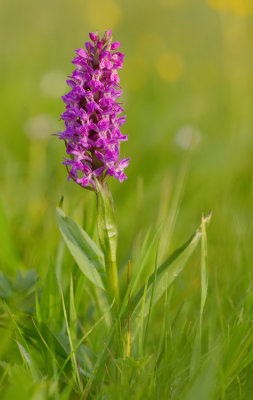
(115, 45)
(93, 37)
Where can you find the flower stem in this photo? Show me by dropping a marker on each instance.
(108, 235)
(112, 278)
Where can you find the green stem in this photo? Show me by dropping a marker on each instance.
(107, 234)
(112, 277)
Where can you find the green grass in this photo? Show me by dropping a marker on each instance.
(60, 340)
(190, 322)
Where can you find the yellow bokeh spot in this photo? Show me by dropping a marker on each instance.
(242, 7)
(238, 7)
(103, 14)
(170, 66)
(221, 5)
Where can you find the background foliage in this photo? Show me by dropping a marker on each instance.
(188, 96)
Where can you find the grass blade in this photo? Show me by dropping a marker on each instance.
(196, 353)
(72, 313)
(204, 276)
(151, 298)
(166, 274)
(73, 357)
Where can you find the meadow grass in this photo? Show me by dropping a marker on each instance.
(185, 330)
(172, 337)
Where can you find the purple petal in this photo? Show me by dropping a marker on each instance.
(92, 115)
(115, 45)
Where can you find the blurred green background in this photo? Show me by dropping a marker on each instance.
(187, 82)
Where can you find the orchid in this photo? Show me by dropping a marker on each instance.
(92, 117)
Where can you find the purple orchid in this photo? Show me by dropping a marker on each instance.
(92, 118)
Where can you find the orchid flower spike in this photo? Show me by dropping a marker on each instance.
(92, 117)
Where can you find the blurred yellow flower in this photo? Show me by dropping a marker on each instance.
(103, 14)
(238, 7)
(221, 5)
(242, 7)
(170, 66)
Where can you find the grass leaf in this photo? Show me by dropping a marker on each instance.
(73, 356)
(196, 352)
(72, 313)
(165, 275)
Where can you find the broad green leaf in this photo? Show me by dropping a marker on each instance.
(165, 275)
(86, 253)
